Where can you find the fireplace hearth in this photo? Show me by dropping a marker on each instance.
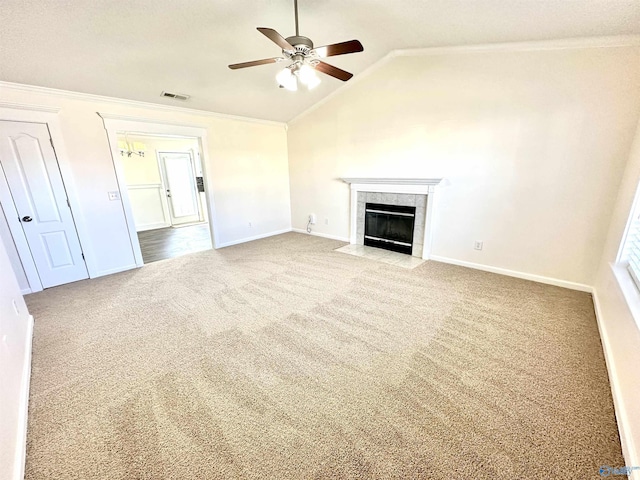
(389, 227)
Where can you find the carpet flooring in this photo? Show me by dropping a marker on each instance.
(281, 358)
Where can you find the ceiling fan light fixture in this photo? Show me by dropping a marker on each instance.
(287, 79)
(304, 57)
(307, 75)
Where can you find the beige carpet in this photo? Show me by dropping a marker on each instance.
(282, 359)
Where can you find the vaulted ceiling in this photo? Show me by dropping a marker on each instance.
(135, 49)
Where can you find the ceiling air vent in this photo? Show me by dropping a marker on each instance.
(177, 96)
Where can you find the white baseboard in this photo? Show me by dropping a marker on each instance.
(251, 239)
(152, 226)
(111, 271)
(629, 451)
(512, 273)
(323, 235)
(21, 440)
(25, 291)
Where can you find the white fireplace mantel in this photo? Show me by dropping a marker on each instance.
(418, 186)
(393, 181)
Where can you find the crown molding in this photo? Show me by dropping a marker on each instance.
(133, 118)
(132, 103)
(33, 108)
(539, 45)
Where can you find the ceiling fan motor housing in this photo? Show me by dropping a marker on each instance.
(301, 44)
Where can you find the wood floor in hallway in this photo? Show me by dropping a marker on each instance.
(170, 242)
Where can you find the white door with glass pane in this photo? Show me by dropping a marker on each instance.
(181, 190)
(31, 188)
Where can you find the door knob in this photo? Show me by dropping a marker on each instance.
(27, 219)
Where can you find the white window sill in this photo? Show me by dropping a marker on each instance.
(629, 290)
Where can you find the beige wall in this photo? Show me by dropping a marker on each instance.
(620, 333)
(533, 143)
(14, 352)
(247, 170)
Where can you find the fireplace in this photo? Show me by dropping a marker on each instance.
(406, 192)
(389, 227)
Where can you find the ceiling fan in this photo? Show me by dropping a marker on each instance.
(305, 59)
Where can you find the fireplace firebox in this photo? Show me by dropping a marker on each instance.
(389, 227)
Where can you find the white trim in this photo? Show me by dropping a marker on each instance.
(114, 124)
(33, 108)
(112, 137)
(612, 41)
(133, 103)
(629, 289)
(18, 236)
(152, 226)
(395, 182)
(21, 440)
(561, 44)
(513, 273)
(630, 220)
(627, 443)
(111, 271)
(24, 114)
(132, 118)
(256, 237)
(319, 234)
(25, 291)
(163, 204)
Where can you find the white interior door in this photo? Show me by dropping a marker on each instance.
(31, 187)
(180, 181)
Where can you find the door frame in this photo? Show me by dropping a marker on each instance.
(121, 124)
(165, 182)
(17, 112)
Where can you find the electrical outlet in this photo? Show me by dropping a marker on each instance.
(114, 196)
(312, 218)
(326, 221)
(250, 225)
(478, 244)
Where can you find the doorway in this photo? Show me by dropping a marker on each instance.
(44, 237)
(181, 187)
(165, 187)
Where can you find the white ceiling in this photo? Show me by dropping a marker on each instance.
(134, 49)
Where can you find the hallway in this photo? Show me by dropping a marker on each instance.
(164, 243)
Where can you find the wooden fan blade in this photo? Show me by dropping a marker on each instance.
(333, 71)
(264, 61)
(276, 38)
(352, 46)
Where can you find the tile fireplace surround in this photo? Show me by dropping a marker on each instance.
(415, 192)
